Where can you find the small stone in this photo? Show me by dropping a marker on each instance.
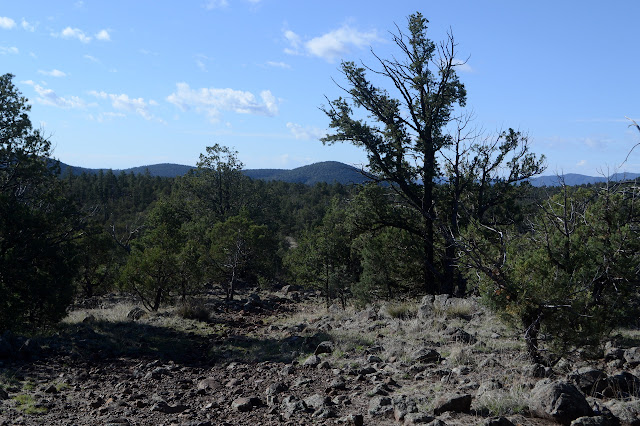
(245, 404)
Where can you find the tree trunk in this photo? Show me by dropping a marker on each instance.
(531, 322)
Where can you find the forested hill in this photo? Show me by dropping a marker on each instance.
(326, 171)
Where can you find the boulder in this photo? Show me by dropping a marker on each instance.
(558, 401)
(380, 406)
(632, 356)
(590, 381)
(457, 403)
(426, 355)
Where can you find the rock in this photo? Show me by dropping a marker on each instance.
(458, 403)
(276, 388)
(417, 418)
(612, 353)
(157, 373)
(558, 401)
(426, 308)
(538, 371)
(3, 395)
(622, 385)
(352, 420)
(380, 406)
(324, 365)
(632, 356)
(337, 384)
(316, 401)
(498, 421)
(291, 405)
(324, 348)
(210, 383)
(589, 380)
(372, 359)
(163, 407)
(136, 313)
(245, 404)
(117, 421)
(426, 355)
(592, 421)
(460, 336)
(312, 361)
(628, 412)
(436, 422)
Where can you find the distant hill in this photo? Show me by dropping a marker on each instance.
(574, 179)
(162, 170)
(326, 171)
(329, 172)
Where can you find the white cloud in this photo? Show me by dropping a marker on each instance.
(53, 73)
(103, 35)
(92, 58)
(581, 163)
(9, 50)
(216, 4)
(279, 65)
(123, 102)
(306, 133)
(50, 98)
(27, 26)
(213, 100)
(462, 65)
(294, 41)
(73, 33)
(332, 45)
(7, 23)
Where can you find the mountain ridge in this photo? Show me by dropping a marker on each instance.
(329, 172)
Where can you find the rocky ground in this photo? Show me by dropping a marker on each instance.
(272, 359)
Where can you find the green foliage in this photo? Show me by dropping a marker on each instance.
(155, 267)
(573, 276)
(322, 259)
(239, 249)
(37, 225)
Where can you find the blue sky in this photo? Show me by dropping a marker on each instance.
(118, 84)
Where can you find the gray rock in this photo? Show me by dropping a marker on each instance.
(538, 371)
(317, 401)
(589, 380)
(460, 336)
(163, 407)
(136, 313)
(498, 421)
(458, 403)
(324, 348)
(245, 404)
(426, 355)
(291, 406)
(558, 401)
(276, 388)
(352, 420)
(632, 356)
(417, 418)
(592, 421)
(210, 383)
(380, 406)
(623, 384)
(337, 384)
(312, 361)
(628, 412)
(157, 373)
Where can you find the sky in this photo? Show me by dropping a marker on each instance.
(117, 84)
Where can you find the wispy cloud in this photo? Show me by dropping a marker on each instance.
(332, 45)
(9, 50)
(28, 26)
(122, 102)
(73, 33)
(7, 23)
(50, 98)
(53, 73)
(92, 58)
(103, 35)
(213, 100)
(215, 4)
(279, 65)
(306, 133)
(201, 62)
